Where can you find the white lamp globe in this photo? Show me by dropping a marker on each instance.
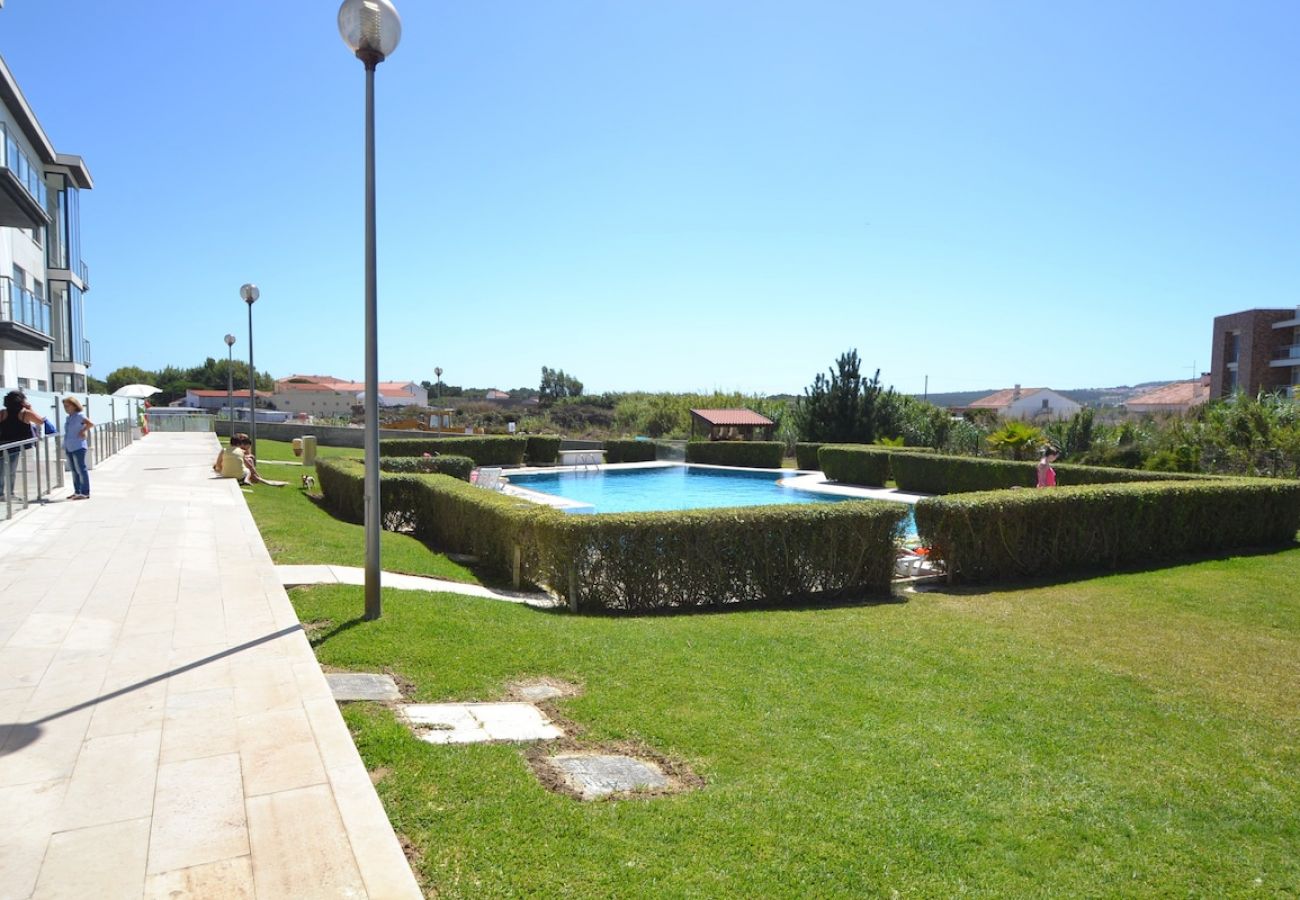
(370, 28)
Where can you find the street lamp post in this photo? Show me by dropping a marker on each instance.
(230, 381)
(371, 29)
(437, 371)
(250, 293)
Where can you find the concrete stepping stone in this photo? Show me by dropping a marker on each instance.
(348, 686)
(593, 776)
(540, 691)
(472, 723)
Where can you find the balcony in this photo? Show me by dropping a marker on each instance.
(78, 274)
(22, 187)
(85, 353)
(1286, 356)
(24, 318)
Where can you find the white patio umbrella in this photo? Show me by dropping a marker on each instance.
(136, 391)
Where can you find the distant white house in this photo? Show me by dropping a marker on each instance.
(325, 395)
(1026, 403)
(215, 400)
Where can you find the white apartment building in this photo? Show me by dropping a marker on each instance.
(43, 343)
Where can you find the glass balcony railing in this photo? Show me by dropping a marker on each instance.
(83, 272)
(1291, 352)
(85, 353)
(17, 304)
(15, 160)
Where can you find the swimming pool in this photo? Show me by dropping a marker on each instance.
(670, 487)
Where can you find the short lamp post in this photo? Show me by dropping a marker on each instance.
(230, 381)
(250, 293)
(371, 29)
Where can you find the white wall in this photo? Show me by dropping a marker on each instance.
(1030, 406)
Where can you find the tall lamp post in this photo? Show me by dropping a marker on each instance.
(250, 293)
(230, 381)
(371, 29)
(437, 371)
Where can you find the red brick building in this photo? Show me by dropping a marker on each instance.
(1256, 350)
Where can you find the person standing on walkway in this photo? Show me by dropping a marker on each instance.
(75, 428)
(17, 420)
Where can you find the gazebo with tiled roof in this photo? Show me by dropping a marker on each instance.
(732, 424)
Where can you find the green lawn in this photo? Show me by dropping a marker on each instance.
(298, 530)
(1130, 735)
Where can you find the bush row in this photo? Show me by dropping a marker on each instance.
(926, 473)
(626, 451)
(744, 454)
(805, 456)
(455, 466)
(495, 450)
(1018, 534)
(854, 464)
(542, 449)
(643, 561)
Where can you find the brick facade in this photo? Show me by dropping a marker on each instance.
(1256, 341)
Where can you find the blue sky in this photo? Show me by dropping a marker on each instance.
(682, 194)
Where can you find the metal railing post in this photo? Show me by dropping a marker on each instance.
(26, 491)
(4, 483)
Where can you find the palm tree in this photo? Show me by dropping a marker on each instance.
(1019, 438)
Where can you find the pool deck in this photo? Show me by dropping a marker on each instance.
(165, 730)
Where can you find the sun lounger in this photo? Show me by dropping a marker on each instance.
(489, 478)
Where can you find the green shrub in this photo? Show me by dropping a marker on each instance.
(642, 561)
(455, 466)
(1125, 456)
(342, 485)
(1021, 534)
(449, 513)
(502, 450)
(542, 449)
(932, 473)
(745, 454)
(712, 557)
(805, 456)
(855, 464)
(626, 451)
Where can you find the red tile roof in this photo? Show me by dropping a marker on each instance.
(732, 417)
(1180, 393)
(1002, 398)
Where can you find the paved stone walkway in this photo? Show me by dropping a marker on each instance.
(165, 730)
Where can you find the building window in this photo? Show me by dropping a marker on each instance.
(1233, 347)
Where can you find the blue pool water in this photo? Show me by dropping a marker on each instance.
(675, 487)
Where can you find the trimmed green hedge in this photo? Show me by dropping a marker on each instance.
(455, 466)
(700, 558)
(932, 473)
(854, 464)
(805, 456)
(542, 449)
(1021, 534)
(626, 451)
(745, 454)
(643, 561)
(495, 450)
